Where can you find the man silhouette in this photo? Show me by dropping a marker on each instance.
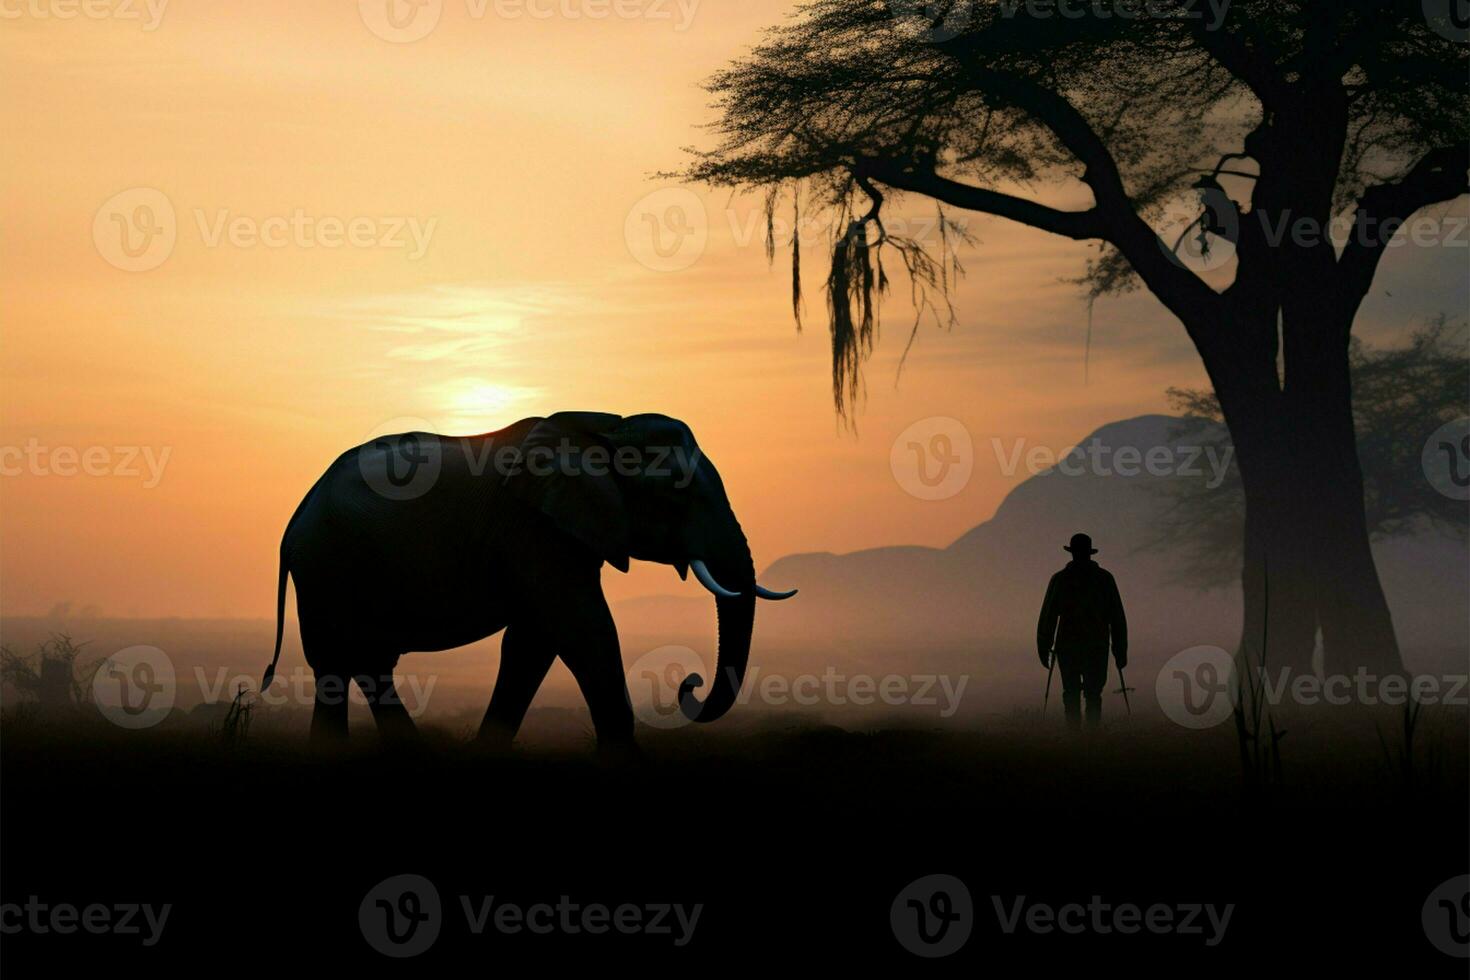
(1081, 612)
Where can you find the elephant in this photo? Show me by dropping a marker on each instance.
(424, 542)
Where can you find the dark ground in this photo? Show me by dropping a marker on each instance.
(796, 842)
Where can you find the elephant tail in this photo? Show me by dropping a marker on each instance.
(270, 672)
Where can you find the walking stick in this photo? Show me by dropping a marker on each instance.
(1050, 664)
(1123, 689)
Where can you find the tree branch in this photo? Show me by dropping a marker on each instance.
(921, 178)
(1439, 176)
(1179, 289)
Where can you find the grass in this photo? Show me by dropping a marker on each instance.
(1260, 751)
(1403, 761)
(234, 728)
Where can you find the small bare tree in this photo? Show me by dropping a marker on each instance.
(51, 676)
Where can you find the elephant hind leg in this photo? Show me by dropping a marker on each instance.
(329, 710)
(395, 725)
(525, 657)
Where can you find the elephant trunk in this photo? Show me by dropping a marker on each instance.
(736, 617)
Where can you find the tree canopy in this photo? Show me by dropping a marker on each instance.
(1027, 110)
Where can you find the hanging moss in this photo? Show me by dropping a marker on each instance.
(796, 260)
(858, 280)
(854, 288)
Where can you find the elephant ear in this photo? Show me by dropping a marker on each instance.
(589, 508)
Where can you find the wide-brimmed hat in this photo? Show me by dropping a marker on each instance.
(1081, 544)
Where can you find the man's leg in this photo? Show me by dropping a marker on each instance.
(1095, 678)
(1071, 673)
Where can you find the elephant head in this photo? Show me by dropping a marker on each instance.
(639, 487)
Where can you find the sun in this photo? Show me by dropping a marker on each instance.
(472, 405)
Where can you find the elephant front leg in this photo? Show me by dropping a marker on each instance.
(588, 643)
(329, 710)
(525, 657)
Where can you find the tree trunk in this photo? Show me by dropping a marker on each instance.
(55, 689)
(1308, 565)
(1357, 628)
(1279, 625)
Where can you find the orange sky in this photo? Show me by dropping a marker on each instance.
(519, 147)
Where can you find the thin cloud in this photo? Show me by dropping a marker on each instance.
(454, 321)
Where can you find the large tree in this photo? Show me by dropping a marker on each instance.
(1267, 118)
(1400, 394)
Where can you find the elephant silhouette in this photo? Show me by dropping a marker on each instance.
(424, 542)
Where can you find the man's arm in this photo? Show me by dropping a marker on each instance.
(1046, 626)
(1117, 623)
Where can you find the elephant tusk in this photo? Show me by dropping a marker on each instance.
(707, 580)
(764, 593)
